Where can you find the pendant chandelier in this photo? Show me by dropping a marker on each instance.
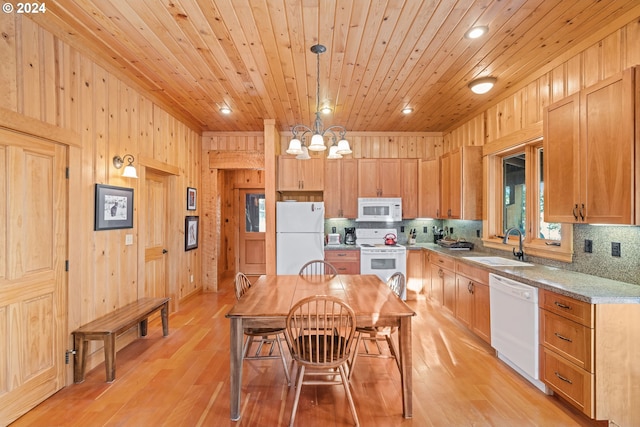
(315, 136)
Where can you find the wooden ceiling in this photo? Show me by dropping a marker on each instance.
(254, 55)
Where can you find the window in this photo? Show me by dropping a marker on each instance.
(255, 218)
(511, 172)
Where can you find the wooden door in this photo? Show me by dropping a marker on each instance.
(312, 173)
(607, 150)
(561, 160)
(410, 188)
(349, 188)
(464, 300)
(332, 195)
(288, 177)
(368, 178)
(481, 311)
(455, 184)
(445, 185)
(33, 281)
(390, 177)
(252, 232)
(429, 189)
(156, 244)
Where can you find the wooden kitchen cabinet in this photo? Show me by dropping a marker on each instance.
(414, 279)
(346, 262)
(589, 153)
(379, 178)
(429, 189)
(341, 188)
(589, 355)
(443, 281)
(409, 188)
(461, 184)
(300, 175)
(472, 306)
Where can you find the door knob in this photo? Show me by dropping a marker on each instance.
(164, 251)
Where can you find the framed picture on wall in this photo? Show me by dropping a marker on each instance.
(191, 232)
(191, 199)
(113, 207)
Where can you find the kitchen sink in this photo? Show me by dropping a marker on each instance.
(497, 261)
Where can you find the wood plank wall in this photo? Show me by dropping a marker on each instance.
(42, 79)
(520, 114)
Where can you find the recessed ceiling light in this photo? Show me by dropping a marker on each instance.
(326, 110)
(482, 85)
(476, 32)
(225, 110)
(407, 110)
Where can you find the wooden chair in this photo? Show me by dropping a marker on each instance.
(260, 336)
(318, 268)
(376, 335)
(320, 331)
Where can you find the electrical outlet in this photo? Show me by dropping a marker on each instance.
(588, 246)
(402, 228)
(477, 233)
(450, 230)
(425, 229)
(191, 278)
(615, 249)
(128, 239)
(333, 229)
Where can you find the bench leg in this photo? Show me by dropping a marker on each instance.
(79, 358)
(143, 327)
(164, 314)
(110, 356)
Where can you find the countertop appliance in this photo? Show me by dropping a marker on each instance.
(350, 236)
(333, 239)
(514, 326)
(378, 258)
(299, 235)
(379, 209)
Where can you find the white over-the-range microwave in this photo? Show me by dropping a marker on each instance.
(379, 209)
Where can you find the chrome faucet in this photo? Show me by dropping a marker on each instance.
(520, 253)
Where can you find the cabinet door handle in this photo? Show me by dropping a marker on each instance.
(575, 211)
(440, 272)
(561, 305)
(470, 287)
(342, 254)
(567, 380)
(562, 337)
(582, 208)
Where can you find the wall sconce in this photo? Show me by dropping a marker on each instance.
(129, 170)
(482, 85)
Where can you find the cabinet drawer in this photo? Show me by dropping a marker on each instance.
(571, 340)
(342, 256)
(572, 383)
(474, 273)
(347, 267)
(578, 311)
(443, 261)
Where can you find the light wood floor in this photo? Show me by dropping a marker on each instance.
(183, 380)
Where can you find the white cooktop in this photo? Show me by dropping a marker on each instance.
(374, 237)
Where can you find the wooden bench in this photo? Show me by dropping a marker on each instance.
(107, 327)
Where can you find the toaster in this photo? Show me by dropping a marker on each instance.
(333, 239)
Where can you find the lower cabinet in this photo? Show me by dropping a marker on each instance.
(472, 306)
(589, 356)
(443, 281)
(346, 261)
(414, 273)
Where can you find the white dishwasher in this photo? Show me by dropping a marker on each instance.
(514, 326)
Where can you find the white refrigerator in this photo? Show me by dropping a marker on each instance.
(299, 235)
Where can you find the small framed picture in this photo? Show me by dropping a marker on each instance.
(191, 232)
(113, 207)
(191, 199)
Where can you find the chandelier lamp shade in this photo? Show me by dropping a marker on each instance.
(315, 136)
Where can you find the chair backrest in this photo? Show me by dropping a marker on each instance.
(397, 283)
(242, 285)
(318, 267)
(320, 331)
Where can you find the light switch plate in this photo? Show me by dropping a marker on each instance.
(128, 239)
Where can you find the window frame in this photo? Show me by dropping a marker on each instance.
(494, 195)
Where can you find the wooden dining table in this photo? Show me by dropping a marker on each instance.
(271, 297)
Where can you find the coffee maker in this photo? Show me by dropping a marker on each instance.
(350, 236)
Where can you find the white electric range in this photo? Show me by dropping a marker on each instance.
(378, 258)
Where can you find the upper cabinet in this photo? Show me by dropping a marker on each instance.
(409, 187)
(379, 178)
(461, 184)
(300, 175)
(429, 189)
(589, 148)
(340, 188)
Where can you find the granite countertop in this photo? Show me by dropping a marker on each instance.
(341, 247)
(583, 287)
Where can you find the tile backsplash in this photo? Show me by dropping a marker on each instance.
(599, 262)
